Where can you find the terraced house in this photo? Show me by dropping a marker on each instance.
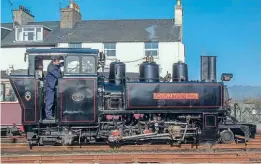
(125, 40)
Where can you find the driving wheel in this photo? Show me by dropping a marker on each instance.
(227, 137)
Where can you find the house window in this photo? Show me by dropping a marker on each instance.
(151, 48)
(110, 49)
(29, 33)
(75, 45)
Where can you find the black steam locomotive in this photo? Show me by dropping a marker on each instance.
(92, 108)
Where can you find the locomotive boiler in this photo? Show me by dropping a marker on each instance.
(91, 108)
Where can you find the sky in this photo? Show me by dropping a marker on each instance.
(228, 29)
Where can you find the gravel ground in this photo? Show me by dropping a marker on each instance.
(4, 154)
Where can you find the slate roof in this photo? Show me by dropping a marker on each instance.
(124, 31)
(5, 29)
(162, 30)
(50, 40)
(4, 33)
(7, 25)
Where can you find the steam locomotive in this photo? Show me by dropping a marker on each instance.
(92, 108)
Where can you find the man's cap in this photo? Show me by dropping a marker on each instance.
(56, 57)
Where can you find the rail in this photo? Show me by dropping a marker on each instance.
(23, 147)
(239, 153)
(138, 157)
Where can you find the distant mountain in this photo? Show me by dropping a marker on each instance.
(244, 92)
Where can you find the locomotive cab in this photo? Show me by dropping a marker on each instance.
(75, 89)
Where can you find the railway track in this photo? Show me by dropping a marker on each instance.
(242, 152)
(16, 139)
(23, 147)
(18, 144)
(21, 139)
(137, 158)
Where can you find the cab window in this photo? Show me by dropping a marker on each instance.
(88, 64)
(73, 64)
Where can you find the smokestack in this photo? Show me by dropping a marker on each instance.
(212, 69)
(204, 68)
(208, 68)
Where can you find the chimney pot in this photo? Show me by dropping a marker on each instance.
(178, 2)
(22, 16)
(70, 16)
(178, 13)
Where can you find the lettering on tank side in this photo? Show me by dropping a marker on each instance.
(176, 96)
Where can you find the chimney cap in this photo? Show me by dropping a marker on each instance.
(74, 6)
(24, 9)
(178, 2)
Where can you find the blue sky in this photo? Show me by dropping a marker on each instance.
(228, 29)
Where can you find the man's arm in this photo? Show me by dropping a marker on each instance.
(55, 72)
(61, 64)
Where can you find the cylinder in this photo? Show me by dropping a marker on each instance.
(212, 68)
(149, 72)
(117, 73)
(179, 72)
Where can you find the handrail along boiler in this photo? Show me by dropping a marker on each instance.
(90, 107)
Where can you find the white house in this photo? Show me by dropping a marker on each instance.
(126, 40)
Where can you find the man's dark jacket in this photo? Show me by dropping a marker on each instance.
(53, 73)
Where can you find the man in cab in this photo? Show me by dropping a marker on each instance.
(51, 81)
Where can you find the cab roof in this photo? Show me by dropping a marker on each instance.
(63, 50)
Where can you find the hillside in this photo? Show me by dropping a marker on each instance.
(244, 92)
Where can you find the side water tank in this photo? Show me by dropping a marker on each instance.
(179, 72)
(117, 73)
(149, 71)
